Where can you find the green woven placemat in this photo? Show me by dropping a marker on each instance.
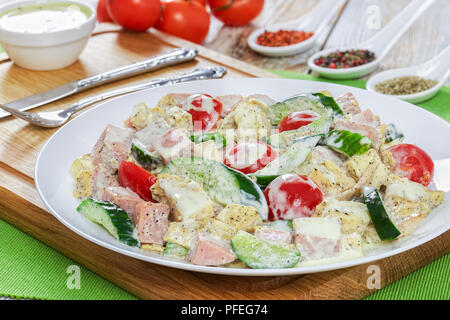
(30, 269)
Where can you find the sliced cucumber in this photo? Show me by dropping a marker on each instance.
(393, 133)
(330, 103)
(294, 156)
(260, 254)
(175, 250)
(114, 219)
(217, 137)
(223, 185)
(300, 102)
(282, 225)
(346, 142)
(385, 228)
(149, 160)
(263, 181)
(284, 139)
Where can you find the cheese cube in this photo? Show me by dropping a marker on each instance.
(185, 197)
(239, 216)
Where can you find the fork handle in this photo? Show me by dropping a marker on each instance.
(196, 74)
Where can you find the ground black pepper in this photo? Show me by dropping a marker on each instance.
(405, 85)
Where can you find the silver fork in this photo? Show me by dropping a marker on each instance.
(53, 119)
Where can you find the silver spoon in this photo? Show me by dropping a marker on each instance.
(53, 119)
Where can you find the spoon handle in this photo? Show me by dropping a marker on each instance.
(385, 39)
(441, 61)
(323, 13)
(196, 74)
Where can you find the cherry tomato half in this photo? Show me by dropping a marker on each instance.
(205, 111)
(297, 119)
(413, 163)
(137, 179)
(292, 196)
(185, 19)
(236, 12)
(249, 157)
(136, 15)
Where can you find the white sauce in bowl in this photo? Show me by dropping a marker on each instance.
(43, 19)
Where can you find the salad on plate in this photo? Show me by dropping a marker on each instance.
(248, 182)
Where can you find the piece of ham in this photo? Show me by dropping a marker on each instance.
(314, 247)
(273, 235)
(229, 102)
(208, 251)
(366, 117)
(323, 153)
(124, 198)
(102, 178)
(348, 103)
(155, 130)
(113, 146)
(175, 143)
(152, 220)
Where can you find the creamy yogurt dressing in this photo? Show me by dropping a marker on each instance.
(247, 154)
(44, 18)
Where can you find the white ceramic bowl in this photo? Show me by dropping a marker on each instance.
(47, 51)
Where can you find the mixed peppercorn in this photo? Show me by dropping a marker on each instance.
(345, 59)
(282, 38)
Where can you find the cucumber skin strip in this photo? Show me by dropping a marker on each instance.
(351, 142)
(330, 103)
(385, 228)
(218, 138)
(117, 215)
(250, 193)
(144, 157)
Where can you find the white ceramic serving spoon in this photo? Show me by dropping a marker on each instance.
(380, 43)
(438, 69)
(314, 21)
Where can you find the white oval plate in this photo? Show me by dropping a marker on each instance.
(54, 183)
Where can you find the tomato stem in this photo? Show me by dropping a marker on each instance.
(225, 7)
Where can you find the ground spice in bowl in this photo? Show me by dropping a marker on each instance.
(282, 38)
(345, 59)
(404, 85)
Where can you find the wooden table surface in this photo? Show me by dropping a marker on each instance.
(353, 24)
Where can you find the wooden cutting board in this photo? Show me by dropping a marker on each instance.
(20, 205)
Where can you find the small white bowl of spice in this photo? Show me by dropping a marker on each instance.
(45, 34)
(414, 84)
